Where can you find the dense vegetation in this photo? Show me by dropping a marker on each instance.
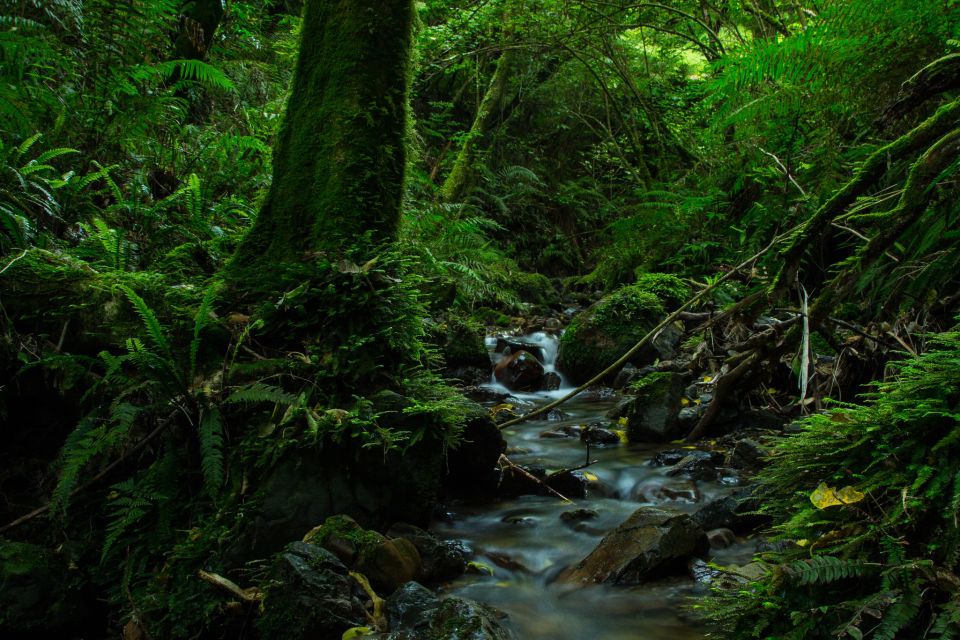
(200, 287)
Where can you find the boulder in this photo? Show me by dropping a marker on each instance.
(519, 371)
(601, 334)
(733, 511)
(471, 468)
(652, 412)
(415, 613)
(389, 564)
(310, 596)
(652, 543)
(698, 465)
(442, 559)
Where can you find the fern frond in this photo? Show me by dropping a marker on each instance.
(154, 329)
(260, 392)
(211, 450)
(826, 569)
(203, 318)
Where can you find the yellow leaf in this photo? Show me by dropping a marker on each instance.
(824, 496)
(621, 434)
(708, 378)
(684, 402)
(623, 421)
(849, 495)
(356, 632)
(590, 476)
(803, 542)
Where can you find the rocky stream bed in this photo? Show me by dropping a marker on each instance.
(630, 547)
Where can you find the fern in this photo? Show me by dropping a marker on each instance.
(210, 432)
(260, 392)
(825, 569)
(153, 327)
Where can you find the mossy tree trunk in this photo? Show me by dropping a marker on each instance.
(338, 162)
(489, 115)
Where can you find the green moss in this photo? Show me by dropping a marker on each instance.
(346, 528)
(652, 385)
(604, 332)
(536, 288)
(671, 290)
(340, 156)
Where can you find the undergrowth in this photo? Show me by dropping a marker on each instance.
(878, 559)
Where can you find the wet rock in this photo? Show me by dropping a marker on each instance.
(552, 324)
(698, 465)
(652, 413)
(518, 482)
(509, 346)
(732, 511)
(555, 415)
(598, 336)
(520, 521)
(580, 484)
(414, 613)
(36, 595)
(652, 543)
(688, 417)
(506, 561)
(626, 375)
(310, 596)
(598, 434)
(566, 431)
(702, 572)
(578, 515)
(519, 371)
(390, 564)
(667, 490)
(721, 538)
(747, 454)
(550, 382)
(669, 457)
(442, 559)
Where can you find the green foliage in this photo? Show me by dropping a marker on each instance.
(882, 567)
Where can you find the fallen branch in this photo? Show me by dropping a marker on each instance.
(504, 460)
(252, 594)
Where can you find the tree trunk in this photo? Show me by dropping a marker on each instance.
(489, 115)
(338, 163)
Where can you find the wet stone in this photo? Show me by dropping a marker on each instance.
(578, 515)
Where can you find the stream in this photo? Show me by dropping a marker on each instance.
(526, 543)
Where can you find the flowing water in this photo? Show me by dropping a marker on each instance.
(526, 543)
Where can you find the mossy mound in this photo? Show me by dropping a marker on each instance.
(600, 335)
(671, 290)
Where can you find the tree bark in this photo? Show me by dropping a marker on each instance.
(489, 115)
(340, 155)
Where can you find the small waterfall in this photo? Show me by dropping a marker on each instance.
(545, 346)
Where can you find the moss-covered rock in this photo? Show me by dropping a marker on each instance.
(651, 412)
(309, 595)
(601, 334)
(536, 288)
(671, 290)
